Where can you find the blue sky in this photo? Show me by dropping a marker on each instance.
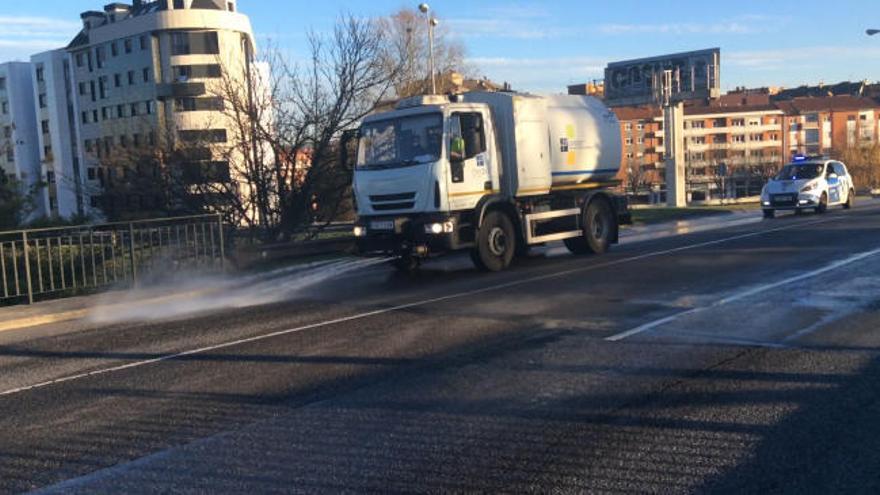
(544, 46)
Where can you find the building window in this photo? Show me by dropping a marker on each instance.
(7, 132)
(136, 140)
(200, 104)
(117, 80)
(195, 43)
(47, 152)
(209, 135)
(811, 118)
(739, 139)
(150, 106)
(131, 78)
(79, 59)
(210, 71)
(128, 45)
(120, 111)
(100, 56)
(40, 74)
(738, 122)
(42, 100)
(698, 140)
(95, 115)
(85, 117)
(143, 42)
(640, 140)
(92, 90)
(10, 154)
(44, 125)
(134, 109)
(629, 141)
(105, 113)
(102, 87)
(698, 124)
(82, 89)
(53, 203)
(2, 84)
(123, 141)
(146, 74)
(628, 126)
(629, 156)
(4, 107)
(91, 173)
(756, 137)
(87, 145)
(114, 49)
(151, 138)
(640, 126)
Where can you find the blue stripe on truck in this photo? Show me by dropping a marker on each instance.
(586, 172)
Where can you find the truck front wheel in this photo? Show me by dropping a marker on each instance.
(496, 243)
(598, 224)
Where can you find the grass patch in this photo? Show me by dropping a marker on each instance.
(650, 216)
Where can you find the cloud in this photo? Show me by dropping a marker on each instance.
(540, 75)
(778, 59)
(23, 36)
(740, 25)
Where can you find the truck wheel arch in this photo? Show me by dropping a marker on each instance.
(603, 196)
(496, 202)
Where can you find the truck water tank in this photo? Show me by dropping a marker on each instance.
(585, 142)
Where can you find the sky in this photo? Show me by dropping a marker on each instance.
(543, 46)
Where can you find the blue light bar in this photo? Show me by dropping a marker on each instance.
(799, 158)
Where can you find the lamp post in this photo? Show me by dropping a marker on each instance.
(432, 23)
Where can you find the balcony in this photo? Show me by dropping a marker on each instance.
(180, 90)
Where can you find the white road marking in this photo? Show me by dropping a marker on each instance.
(400, 307)
(745, 294)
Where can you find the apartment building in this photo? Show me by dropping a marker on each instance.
(825, 125)
(147, 75)
(19, 152)
(60, 165)
(730, 151)
(641, 131)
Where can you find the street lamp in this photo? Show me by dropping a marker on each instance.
(872, 32)
(432, 23)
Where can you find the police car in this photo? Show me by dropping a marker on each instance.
(808, 183)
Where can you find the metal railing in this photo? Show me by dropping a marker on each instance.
(66, 261)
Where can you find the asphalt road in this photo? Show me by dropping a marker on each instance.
(742, 360)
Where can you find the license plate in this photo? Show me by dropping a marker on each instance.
(783, 198)
(383, 225)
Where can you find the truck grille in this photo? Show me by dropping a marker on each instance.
(388, 202)
(394, 206)
(393, 197)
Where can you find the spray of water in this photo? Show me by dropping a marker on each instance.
(188, 294)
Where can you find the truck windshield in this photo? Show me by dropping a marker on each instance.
(401, 142)
(800, 171)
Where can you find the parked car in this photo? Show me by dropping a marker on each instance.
(808, 183)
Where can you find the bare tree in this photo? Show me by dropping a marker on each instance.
(406, 53)
(863, 163)
(285, 122)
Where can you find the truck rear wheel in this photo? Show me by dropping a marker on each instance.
(496, 243)
(598, 225)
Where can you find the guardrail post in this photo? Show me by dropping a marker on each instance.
(222, 241)
(27, 267)
(131, 254)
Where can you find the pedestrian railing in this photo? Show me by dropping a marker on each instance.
(60, 262)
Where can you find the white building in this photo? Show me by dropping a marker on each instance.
(19, 144)
(61, 171)
(148, 72)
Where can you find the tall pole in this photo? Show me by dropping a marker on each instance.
(425, 9)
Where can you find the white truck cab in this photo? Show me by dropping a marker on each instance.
(808, 183)
(492, 173)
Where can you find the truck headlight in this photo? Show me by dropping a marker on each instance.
(438, 228)
(359, 231)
